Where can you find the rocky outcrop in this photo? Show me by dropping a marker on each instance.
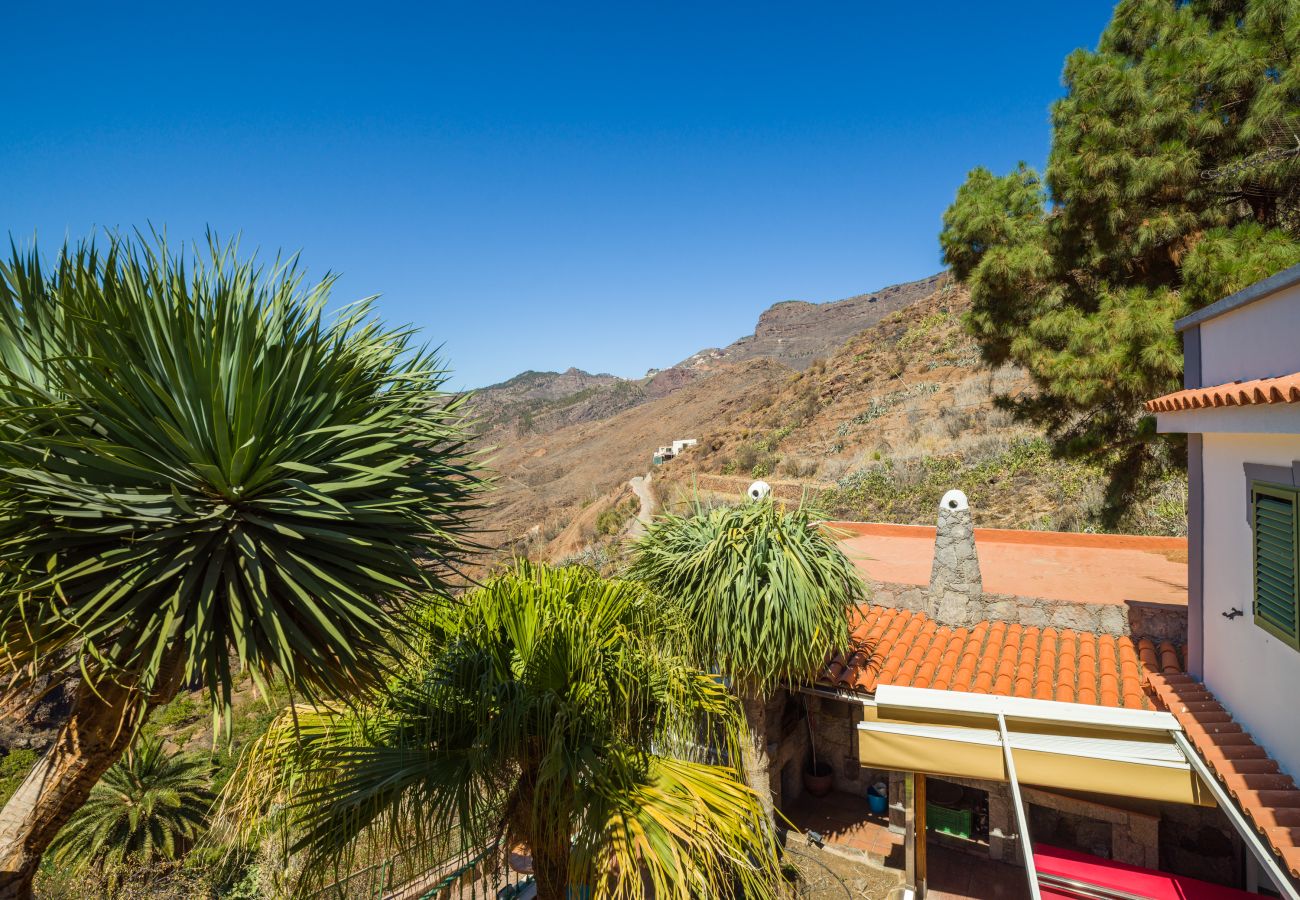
(34, 719)
(541, 402)
(796, 332)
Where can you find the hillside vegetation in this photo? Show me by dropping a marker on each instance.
(876, 431)
(902, 413)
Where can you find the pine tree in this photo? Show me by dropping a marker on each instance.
(1173, 180)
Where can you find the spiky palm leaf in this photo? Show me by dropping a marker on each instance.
(150, 805)
(551, 706)
(767, 590)
(196, 460)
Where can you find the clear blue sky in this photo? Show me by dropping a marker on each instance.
(607, 185)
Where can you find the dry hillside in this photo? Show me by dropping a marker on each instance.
(547, 479)
(901, 413)
(875, 431)
(793, 332)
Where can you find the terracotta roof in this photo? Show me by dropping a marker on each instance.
(1282, 389)
(1266, 794)
(894, 646)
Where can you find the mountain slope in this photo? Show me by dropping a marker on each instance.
(546, 479)
(901, 413)
(540, 402)
(792, 332)
(796, 332)
(876, 430)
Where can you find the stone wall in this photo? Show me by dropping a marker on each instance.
(1132, 837)
(788, 745)
(834, 728)
(1157, 621)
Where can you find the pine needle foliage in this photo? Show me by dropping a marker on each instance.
(199, 464)
(552, 707)
(766, 590)
(1163, 193)
(151, 805)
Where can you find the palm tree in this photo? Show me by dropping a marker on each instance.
(150, 805)
(551, 707)
(767, 594)
(196, 465)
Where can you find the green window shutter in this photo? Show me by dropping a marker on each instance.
(1277, 603)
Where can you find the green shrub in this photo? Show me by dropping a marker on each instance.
(13, 769)
(181, 711)
(610, 521)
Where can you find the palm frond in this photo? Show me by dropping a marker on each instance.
(686, 829)
(151, 805)
(196, 459)
(766, 591)
(550, 706)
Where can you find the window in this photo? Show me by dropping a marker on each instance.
(1275, 520)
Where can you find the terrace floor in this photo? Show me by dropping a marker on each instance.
(1086, 568)
(847, 826)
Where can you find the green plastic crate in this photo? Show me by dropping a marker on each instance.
(957, 822)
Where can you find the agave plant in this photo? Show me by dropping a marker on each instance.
(150, 805)
(767, 593)
(553, 708)
(202, 475)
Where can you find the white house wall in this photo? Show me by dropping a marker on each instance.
(1252, 673)
(1260, 340)
(1273, 418)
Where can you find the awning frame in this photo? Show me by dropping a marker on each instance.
(1262, 852)
(1147, 722)
(1022, 819)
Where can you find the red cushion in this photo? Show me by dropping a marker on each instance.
(1105, 873)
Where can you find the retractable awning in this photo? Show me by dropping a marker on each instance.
(1063, 746)
(1104, 750)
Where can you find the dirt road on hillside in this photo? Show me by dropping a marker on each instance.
(640, 486)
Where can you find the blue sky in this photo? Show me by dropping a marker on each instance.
(607, 185)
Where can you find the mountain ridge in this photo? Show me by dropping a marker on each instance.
(793, 333)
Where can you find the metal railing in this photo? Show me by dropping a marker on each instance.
(431, 870)
(376, 881)
(487, 876)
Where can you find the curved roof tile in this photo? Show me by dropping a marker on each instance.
(1282, 389)
(1265, 793)
(902, 647)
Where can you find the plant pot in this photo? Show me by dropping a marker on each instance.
(818, 782)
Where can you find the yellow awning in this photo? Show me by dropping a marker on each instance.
(1127, 757)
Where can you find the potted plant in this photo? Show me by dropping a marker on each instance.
(818, 777)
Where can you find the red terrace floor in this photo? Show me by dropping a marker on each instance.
(844, 823)
(1087, 568)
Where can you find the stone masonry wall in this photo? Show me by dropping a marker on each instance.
(834, 728)
(1154, 620)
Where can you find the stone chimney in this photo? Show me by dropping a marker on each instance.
(955, 583)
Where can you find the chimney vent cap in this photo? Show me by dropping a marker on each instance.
(954, 500)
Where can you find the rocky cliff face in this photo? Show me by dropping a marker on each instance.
(796, 332)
